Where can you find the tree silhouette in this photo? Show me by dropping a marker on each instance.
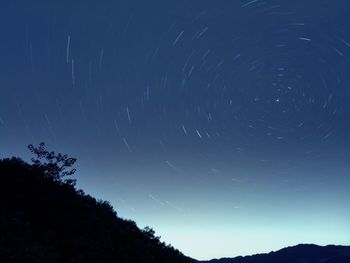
(54, 165)
(150, 233)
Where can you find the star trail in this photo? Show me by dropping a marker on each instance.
(224, 125)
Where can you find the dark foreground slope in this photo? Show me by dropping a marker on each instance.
(296, 254)
(43, 220)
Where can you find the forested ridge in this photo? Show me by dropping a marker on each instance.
(44, 218)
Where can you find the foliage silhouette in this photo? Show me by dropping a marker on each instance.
(54, 165)
(45, 219)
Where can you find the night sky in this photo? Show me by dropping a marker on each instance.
(224, 125)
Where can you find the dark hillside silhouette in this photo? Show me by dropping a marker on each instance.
(297, 254)
(43, 218)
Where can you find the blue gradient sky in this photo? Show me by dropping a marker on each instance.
(223, 125)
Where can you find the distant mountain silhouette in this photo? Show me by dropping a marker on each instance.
(45, 219)
(305, 253)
